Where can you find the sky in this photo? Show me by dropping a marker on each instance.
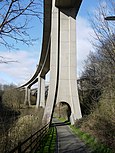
(27, 57)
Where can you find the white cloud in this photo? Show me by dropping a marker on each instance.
(21, 71)
(84, 36)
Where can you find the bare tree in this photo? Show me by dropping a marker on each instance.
(15, 18)
(97, 86)
(4, 60)
(105, 30)
(98, 76)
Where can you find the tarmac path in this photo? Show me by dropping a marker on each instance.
(67, 141)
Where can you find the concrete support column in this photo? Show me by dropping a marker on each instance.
(27, 96)
(41, 93)
(38, 93)
(63, 79)
(42, 99)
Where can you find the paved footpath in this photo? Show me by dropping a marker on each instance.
(67, 141)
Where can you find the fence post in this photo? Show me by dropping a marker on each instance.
(41, 138)
(19, 147)
(31, 143)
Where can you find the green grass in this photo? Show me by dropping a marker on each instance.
(91, 141)
(63, 120)
(49, 142)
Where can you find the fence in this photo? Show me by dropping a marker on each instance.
(33, 143)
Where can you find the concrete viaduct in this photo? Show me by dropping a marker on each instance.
(58, 55)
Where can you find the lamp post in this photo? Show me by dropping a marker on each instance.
(110, 18)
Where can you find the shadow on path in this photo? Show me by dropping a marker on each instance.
(60, 123)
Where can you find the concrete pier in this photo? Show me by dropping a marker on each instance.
(27, 96)
(41, 93)
(63, 80)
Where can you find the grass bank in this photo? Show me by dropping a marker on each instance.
(49, 142)
(91, 141)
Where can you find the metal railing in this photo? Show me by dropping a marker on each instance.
(33, 143)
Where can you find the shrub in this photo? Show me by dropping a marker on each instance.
(12, 98)
(21, 129)
(101, 123)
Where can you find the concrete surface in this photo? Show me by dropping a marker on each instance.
(67, 141)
